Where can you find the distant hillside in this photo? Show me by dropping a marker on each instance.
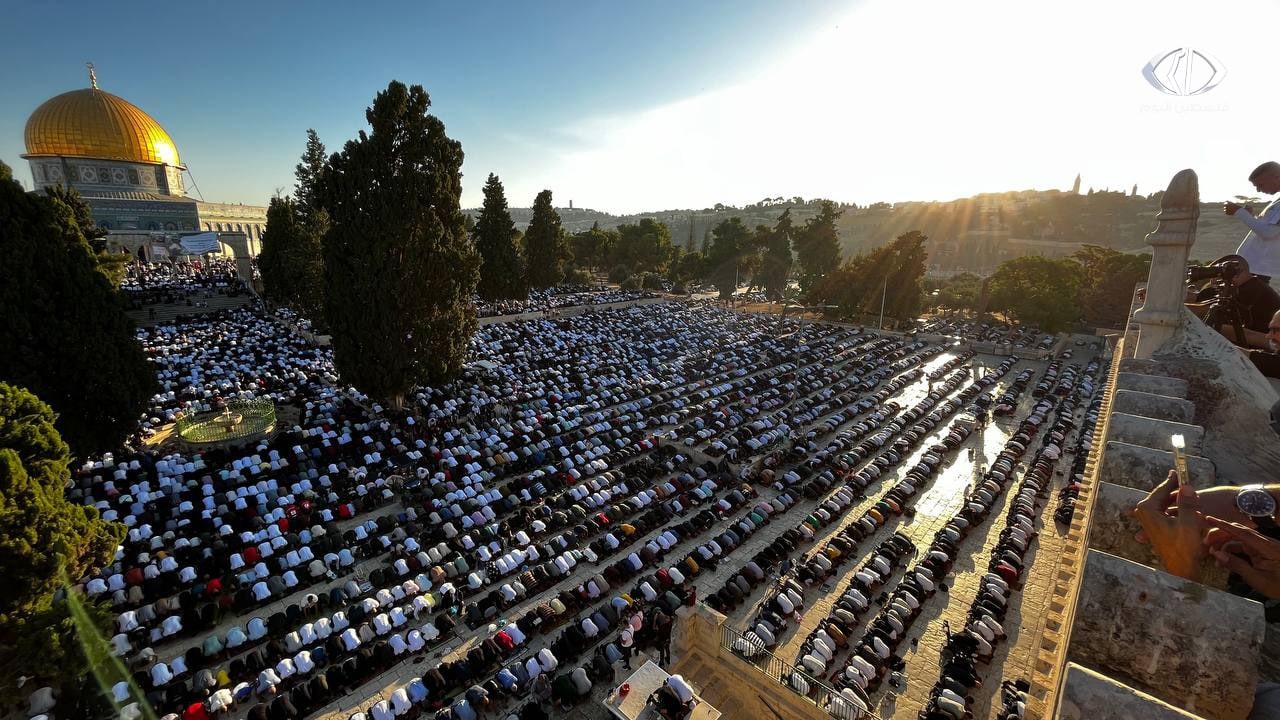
(971, 234)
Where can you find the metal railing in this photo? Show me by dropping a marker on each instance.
(796, 679)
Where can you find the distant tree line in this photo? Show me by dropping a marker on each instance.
(1093, 286)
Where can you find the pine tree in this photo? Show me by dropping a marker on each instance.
(291, 265)
(310, 175)
(62, 323)
(777, 258)
(818, 246)
(45, 540)
(501, 267)
(399, 268)
(544, 245)
(728, 241)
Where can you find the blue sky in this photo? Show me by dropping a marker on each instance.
(635, 106)
(237, 84)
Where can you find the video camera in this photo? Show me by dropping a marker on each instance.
(1222, 271)
(1224, 307)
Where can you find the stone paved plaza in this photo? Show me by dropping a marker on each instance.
(718, 393)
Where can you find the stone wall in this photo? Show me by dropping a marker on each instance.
(1176, 640)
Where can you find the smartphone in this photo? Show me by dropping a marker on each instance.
(1180, 459)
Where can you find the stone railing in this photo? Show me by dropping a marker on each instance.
(1122, 638)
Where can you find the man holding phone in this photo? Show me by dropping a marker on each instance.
(1261, 247)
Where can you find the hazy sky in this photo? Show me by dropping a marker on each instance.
(627, 107)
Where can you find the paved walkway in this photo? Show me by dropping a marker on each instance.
(936, 505)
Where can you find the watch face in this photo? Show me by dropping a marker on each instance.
(1256, 502)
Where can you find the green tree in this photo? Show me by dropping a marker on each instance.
(960, 292)
(892, 276)
(728, 240)
(310, 175)
(644, 246)
(501, 267)
(399, 269)
(593, 248)
(62, 323)
(776, 263)
(544, 244)
(291, 263)
(44, 540)
(1039, 291)
(687, 268)
(111, 265)
(818, 246)
(1110, 277)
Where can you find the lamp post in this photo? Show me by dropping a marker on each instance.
(885, 291)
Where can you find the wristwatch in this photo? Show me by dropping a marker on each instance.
(1260, 506)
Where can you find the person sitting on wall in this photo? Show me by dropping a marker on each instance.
(1256, 300)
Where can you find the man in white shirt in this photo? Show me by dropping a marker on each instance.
(1261, 247)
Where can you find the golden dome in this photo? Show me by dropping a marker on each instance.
(91, 123)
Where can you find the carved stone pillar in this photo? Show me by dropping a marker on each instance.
(1171, 241)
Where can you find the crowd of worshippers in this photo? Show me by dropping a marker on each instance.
(179, 283)
(966, 651)
(1000, 333)
(564, 453)
(873, 657)
(562, 296)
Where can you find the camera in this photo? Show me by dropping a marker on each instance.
(1224, 307)
(1223, 271)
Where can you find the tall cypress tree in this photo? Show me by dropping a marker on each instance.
(501, 271)
(729, 239)
(399, 268)
(818, 246)
(291, 266)
(777, 258)
(62, 323)
(544, 244)
(310, 175)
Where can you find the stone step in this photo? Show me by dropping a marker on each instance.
(1157, 384)
(1152, 405)
(1143, 468)
(1152, 432)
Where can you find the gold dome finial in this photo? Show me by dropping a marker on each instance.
(93, 76)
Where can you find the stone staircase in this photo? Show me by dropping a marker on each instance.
(729, 683)
(1131, 640)
(168, 312)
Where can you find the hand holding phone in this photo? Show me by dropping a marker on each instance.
(1180, 459)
